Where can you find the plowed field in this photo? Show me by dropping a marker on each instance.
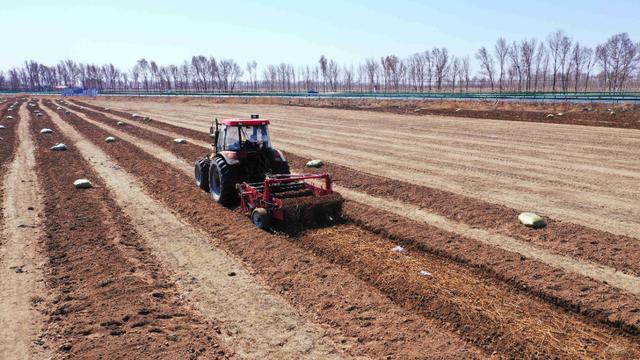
(145, 265)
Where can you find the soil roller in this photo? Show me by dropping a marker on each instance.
(245, 168)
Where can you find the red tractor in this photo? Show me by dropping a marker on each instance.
(245, 168)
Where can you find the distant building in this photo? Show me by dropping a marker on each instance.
(79, 92)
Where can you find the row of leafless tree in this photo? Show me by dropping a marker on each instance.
(556, 64)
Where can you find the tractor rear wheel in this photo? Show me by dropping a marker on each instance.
(202, 173)
(222, 182)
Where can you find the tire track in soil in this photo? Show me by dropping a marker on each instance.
(111, 296)
(567, 290)
(375, 266)
(21, 261)
(616, 251)
(319, 289)
(254, 323)
(573, 209)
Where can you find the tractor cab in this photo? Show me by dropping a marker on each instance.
(241, 135)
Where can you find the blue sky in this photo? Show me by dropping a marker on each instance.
(295, 32)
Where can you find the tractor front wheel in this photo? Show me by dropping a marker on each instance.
(202, 174)
(222, 182)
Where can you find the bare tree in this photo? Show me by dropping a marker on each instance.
(441, 65)
(501, 50)
(619, 58)
(455, 70)
(486, 64)
(539, 61)
(465, 71)
(251, 69)
(323, 68)
(589, 63)
(372, 69)
(527, 51)
(347, 78)
(559, 45)
(516, 67)
(143, 69)
(580, 56)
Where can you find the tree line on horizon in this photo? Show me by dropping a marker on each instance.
(557, 64)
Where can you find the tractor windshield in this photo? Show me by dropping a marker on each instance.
(255, 136)
(247, 137)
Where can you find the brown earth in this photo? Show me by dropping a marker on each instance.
(618, 251)
(21, 263)
(324, 292)
(111, 296)
(589, 114)
(8, 140)
(348, 233)
(556, 286)
(584, 175)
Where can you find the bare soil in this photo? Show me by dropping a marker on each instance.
(110, 294)
(617, 308)
(349, 233)
(583, 175)
(324, 292)
(588, 114)
(251, 320)
(21, 263)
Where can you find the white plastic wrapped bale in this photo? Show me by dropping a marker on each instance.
(58, 108)
(532, 220)
(59, 147)
(110, 139)
(180, 141)
(121, 123)
(9, 117)
(2, 127)
(315, 163)
(46, 131)
(549, 116)
(82, 184)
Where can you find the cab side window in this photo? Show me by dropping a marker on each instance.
(232, 139)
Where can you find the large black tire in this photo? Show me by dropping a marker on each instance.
(222, 182)
(202, 173)
(280, 167)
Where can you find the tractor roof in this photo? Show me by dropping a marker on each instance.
(245, 122)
